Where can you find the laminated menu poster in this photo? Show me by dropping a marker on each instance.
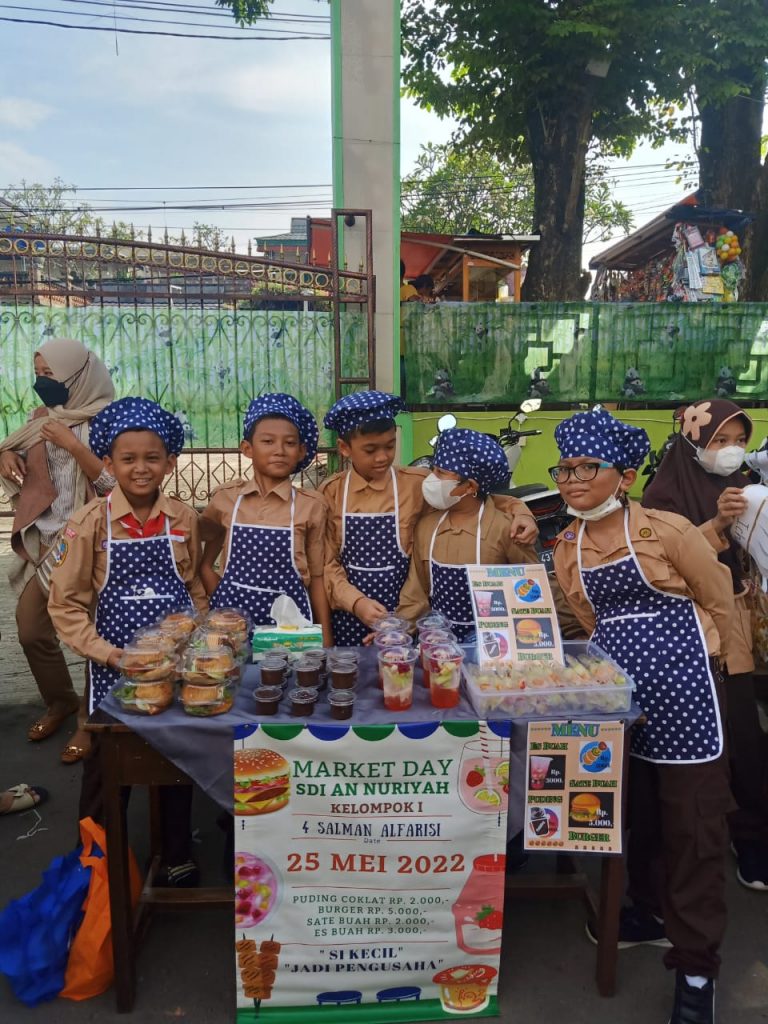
(574, 777)
(514, 613)
(369, 870)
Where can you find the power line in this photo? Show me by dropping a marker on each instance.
(147, 32)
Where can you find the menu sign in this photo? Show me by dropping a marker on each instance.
(514, 613)
(574, 773)
(369, 870)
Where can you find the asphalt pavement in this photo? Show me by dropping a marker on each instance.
(186, 966)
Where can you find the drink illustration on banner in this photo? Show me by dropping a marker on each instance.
(484, 775)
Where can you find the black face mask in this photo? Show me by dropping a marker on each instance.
(52, 392)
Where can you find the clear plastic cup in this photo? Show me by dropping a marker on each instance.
(342, 703)
(428, 638)
(343, 674)
(433, 620)
(307, 672)
(444, 663)
(392, 638)
(344, 654)
(397, 665)
(267, 699)
(302, 701)
(391, 622)
(273, 671)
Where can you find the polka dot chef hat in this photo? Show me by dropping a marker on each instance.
(472, 455)
(351, 411)
(601, 436)
(134, 414)
(279, 404)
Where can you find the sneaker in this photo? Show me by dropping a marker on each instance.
(636, 928)
(751, 865)
(693, 1005)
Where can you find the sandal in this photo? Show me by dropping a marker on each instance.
(24, 798)
(77, 749)
(47, 725)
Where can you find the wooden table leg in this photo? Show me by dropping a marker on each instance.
(119, 880)
(611, 895)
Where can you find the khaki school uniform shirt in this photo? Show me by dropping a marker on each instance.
(375, 497)
(270, 509)
(675, 558)
(456, 544)
(82, 566)
(740, 643)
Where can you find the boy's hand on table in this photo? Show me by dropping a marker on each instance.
(113, 661)
(524, 528)
(368, 611)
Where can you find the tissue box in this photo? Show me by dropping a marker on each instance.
(290, 637)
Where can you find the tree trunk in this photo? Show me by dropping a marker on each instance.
(558, 137)
(730, 168)
(757, 272)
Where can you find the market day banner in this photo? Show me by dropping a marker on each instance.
(369, 870)
(574, 787)
(514, 613)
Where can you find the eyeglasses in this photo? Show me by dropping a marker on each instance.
(585, 472)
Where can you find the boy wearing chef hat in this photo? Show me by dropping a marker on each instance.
(134, 556)
(464, 528)
(274, 532)
(373, 508)
(649, 588)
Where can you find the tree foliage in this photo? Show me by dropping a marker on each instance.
(451, 191)
(247, 11)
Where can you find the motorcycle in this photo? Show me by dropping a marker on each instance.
(547, 506)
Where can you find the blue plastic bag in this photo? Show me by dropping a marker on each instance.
(36, 930)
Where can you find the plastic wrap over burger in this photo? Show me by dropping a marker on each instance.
(262, 781)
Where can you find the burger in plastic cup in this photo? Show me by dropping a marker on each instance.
(342, 703)
(267, 699)
(303, 701)
(444, 663)
(396, 665)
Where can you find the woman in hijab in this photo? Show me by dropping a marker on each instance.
(700, 478)
(49, 472)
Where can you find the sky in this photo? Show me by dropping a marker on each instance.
(128, 117)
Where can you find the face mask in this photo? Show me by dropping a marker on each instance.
(438, 492)
(51, 392)
(591, 515)
(722, 462)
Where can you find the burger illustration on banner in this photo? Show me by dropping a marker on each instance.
(585, 809)
(262, 781)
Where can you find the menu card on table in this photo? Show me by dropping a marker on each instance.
(514, 613)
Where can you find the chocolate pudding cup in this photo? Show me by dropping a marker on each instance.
(342, 703)
(303, 702)
(273, 672)
(267, 699)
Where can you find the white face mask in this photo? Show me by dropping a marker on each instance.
(722, 462)
(591, 515)
(438, 492)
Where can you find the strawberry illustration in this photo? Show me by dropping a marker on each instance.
(489, 918)
(474, 777)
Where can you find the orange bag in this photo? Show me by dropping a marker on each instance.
(90, 968)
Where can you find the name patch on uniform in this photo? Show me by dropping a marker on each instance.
(645, 533)
(69, 532)
(569, 535)
(61, 552)
(178, 537)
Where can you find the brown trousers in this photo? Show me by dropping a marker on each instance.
(747, 757)
(678, 841)
(43, 652)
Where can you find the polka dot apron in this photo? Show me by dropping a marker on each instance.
(373, 560)
(260, 567)
(141, 585)
(657, 638)
(449, 590)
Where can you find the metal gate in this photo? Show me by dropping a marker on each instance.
(198, 330)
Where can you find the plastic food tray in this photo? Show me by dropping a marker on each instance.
(542, 701)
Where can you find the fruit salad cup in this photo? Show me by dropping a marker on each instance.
(443, 663)
(396, 665)
(429, 638)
